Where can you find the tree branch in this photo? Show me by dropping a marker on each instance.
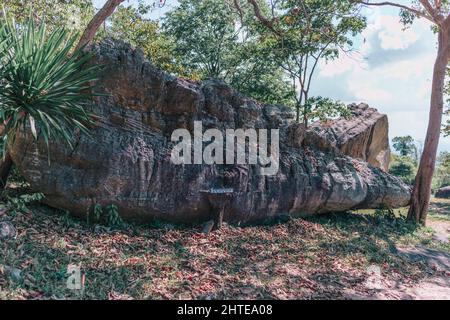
(259, 15)
(393, 4)
(433, 12)
(239, 9)
(446, 22)
(438, 4)
(97, 21)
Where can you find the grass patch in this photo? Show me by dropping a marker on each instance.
(316, 257)
(440, 209)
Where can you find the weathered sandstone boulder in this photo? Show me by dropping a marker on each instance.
(363, 136)
(127, 159)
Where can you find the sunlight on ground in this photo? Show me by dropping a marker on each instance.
(318, 257)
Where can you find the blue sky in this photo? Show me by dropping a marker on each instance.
(390, 69)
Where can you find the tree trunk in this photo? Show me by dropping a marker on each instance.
(97, 21)
(6, 162)
(421, 194)
(5, 169)
(305, 106)
(305, 120)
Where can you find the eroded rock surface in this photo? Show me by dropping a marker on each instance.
(127, 161)
(363, 136)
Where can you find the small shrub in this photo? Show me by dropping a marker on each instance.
(384, 213)
(404, 168)
(67, 219)
(20, 203)
(108, 215)
(113, 217)
(98, 212)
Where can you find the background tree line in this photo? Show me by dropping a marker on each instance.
(405, 160)
(211, 38)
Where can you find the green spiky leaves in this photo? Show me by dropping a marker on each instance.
(44, 86)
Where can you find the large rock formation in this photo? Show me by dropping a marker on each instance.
(363, 136)
(127, 160)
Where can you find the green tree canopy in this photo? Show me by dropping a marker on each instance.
(130, 25)
(405, 146)
(404, 168)
(205, 36)
(71, 14)
(442, 174)
(302, 34)
(211, 40)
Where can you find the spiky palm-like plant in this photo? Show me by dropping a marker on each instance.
(43, 85)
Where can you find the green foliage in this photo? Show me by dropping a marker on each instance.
(258, 76)
(211, 41)
(385, 213)
(113, 217)
(20, 203)
(405, 146)
(98, 212)
(403, 167)
(67, 219)
(130, 25)
(308, 32)
(407, 17)
(205, 36)
(108, 215)
(45, 85)
(441, 176)
(69, 14)
(319, 108)
(3, 51)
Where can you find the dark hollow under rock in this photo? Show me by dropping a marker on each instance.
(127, 162)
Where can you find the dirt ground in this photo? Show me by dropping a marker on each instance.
(355, 255)
(432, 287)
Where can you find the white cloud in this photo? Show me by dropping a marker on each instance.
(388, 32)
(345, 63)
(410, 68)
(366, 93)
(391, 33)
(391, 71)
(424, 89)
